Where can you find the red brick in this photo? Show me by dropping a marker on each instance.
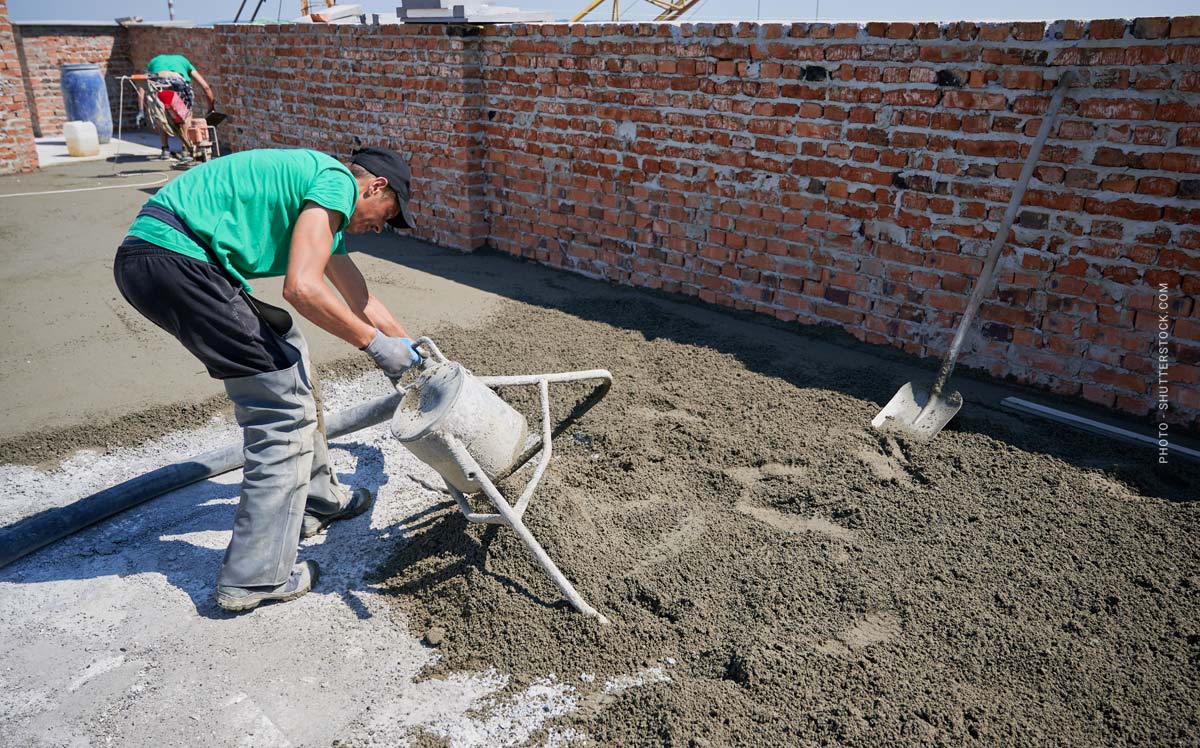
(1130, 209)
(1151, 28)
(1151, 82)
(1185, 26)
(973, 100)
(1117, 109)
(994, 32)
(1134, 404)
(17, 146)
(1174, 258)
(945, 301)
(1186, 329)
(1185, 374)
(1178, 111)
(1072, 30)
(1121, 380)
(1160, 186)
(948, 53)
(1029, 31)
(1122, 183)
(1107, 29)
(918, 97)
(1054, 200)
(1022, 79)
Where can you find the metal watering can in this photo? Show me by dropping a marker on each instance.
(454, 422)
(447, 407)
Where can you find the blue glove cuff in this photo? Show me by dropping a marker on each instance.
(413, 348)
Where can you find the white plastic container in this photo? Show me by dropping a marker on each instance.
(81, 139)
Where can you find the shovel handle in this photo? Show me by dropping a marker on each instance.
(984, 284)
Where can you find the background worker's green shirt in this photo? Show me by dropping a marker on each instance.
(172, 63)
(245, 206)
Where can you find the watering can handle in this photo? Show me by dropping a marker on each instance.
(434, 353)
(429, 345)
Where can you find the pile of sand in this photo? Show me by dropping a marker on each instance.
(800, 579)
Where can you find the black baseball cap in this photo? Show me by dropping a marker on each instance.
(386, 163)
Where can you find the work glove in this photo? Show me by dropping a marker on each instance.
(394, 355)
(140, 121)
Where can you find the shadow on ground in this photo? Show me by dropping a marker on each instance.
(165, 536)
(807, 357)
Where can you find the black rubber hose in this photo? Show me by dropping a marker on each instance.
(28, 535)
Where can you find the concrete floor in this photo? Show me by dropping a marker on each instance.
(73, 352)
(111, 636)
(52, 151)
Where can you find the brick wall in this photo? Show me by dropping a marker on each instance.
(852, 176)
(45, 48)
(17, 150)
(413, 88)
(840, 175)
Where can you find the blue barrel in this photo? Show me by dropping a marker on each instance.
(86, 97)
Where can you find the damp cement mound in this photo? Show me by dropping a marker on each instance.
(799, 580)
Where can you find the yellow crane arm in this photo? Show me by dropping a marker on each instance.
(672, 9)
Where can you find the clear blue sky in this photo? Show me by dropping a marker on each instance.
(208, 11)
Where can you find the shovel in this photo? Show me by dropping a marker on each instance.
(920, 414)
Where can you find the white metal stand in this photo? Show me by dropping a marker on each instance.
(508, 514)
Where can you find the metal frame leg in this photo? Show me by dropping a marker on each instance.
(507, 514)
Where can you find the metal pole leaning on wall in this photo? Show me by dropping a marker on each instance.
(30, 534)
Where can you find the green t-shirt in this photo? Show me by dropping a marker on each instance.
(171, 63)
(245, 206)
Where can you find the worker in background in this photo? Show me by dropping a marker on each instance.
(186, 266)
(175, 72)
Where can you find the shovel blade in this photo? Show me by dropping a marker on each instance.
(911, 413)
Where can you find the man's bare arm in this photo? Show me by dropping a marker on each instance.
(207, 89)
(304, 286)
(349, 282)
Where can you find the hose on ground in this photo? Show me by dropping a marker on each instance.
(28, 535)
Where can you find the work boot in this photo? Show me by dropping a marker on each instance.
(304, 576)
(360, 501)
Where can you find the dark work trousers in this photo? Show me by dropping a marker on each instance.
(266, 373)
